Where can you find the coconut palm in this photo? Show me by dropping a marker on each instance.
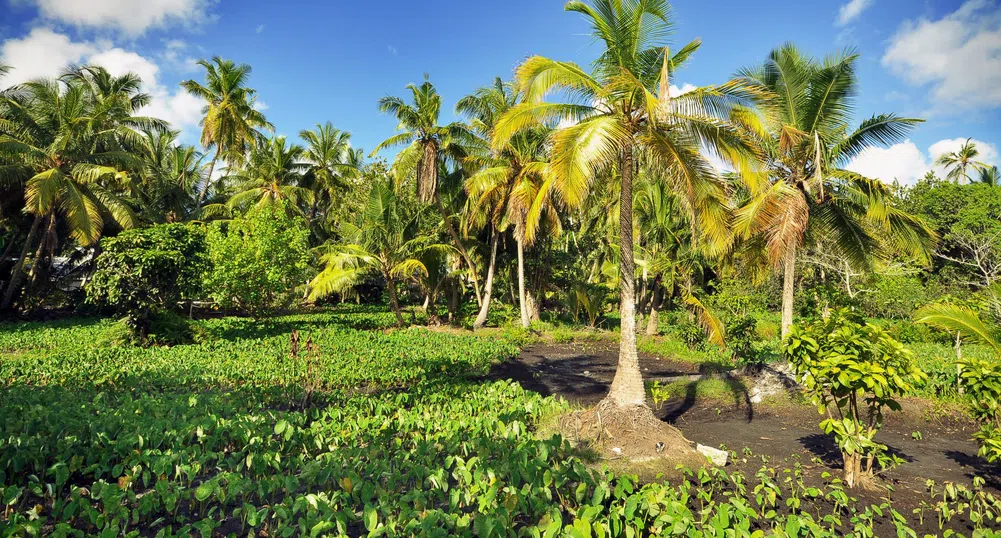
(73, 141)
(958, 164)
(505, 189)
(386, 239)
(622, 114)
(808, 192)
(230, 124)
(272, 175)
(427, 144)
(331, 162)
(169, 176)
(990, 175)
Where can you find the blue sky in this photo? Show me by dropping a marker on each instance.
(315, 61)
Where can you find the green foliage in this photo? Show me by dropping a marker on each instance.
(856, 370)
(982, 380)
(258, 260)
(145, 271)
(896, 296)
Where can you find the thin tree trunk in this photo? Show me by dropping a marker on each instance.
(36, 263)
(521, 283)
(394, 302)
(481, 318)
(627, 385)
(8, 249)
(959, 357)
(208, 177)
(462, 249)
(652, 327)
(18, 273)
(788, 289)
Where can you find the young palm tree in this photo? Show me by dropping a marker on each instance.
(331, 162)
(387, 239)
(958, 163)
(427, 145)
(73, 140)
(621, 114)
(272, 174)
(505, 189)
(990, 175)
(230, 124)
(808, 191)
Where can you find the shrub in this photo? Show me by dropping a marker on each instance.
(258, 260)
(853, 371)
(144, 272)
(741, 333)
(981, 379)
(896, 296)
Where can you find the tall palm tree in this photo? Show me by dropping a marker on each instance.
(622, 115)
(272, 175)
(331, 162)
(505, 189)
(807, 191)
(960, 162)
(169, 176)
(990, 175)
(230, 124)
(427, 144)
(74, 139)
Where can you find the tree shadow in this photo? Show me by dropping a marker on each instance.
(824, 447)
(675, 410)
(977, 466)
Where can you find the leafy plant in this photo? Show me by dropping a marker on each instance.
(853, 371)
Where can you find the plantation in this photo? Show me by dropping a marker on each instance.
(586, 297)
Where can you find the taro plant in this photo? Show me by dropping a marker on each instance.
(853, 371)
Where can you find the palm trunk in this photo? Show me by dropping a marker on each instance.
(788, 289)
(18, 273)
(627, 386)
(462, 249)
(36, 264)
(208, 177)
(394, 302)
(521, 283)
(481, 318)
(652, 327)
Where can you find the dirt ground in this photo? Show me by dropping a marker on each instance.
(780, 433)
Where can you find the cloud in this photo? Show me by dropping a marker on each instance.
(260, 28)
(851, 11)
(44, 53)
(957, 56)
(131, 17)
(906, 164)
(391, 49)
(685, 88)
(260, 106)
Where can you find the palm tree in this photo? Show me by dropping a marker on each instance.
(272, 175)
(231, 123)
(622, 115)
(387, 239)
(808, 192)
(331, 162)
(990, 175)
(958, 163)
(427, 144)
(74, 140)
(170, 174)
(505, 189)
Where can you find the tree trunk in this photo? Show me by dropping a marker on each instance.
(959, 357)
(627, 386)
(394, 301)
(36, 263)
(462, 249)
(652, 327)
(208, 177)
(18, 273)
(481, 318)
(788, 289)
(532, 306)
(521, 283)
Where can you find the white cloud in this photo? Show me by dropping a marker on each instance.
(391, 49)
(906, 164)
(259, 105)
(958, 56)
(132, 17)
(44, 53)
(260, 28)
(850, 11)
(41, 53)
(685, 88)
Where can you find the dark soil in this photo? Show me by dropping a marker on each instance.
(775, 434)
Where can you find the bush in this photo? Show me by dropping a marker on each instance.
(258, 260)
(982, 380)
(857, 370)
(144, 272)
(741, 333)
(896, 296)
